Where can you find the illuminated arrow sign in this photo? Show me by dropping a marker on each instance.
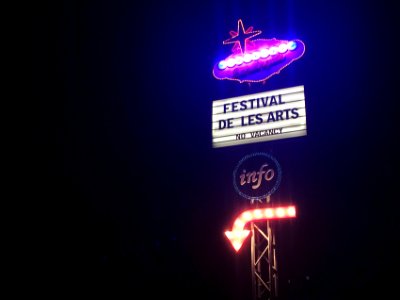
(238, 234)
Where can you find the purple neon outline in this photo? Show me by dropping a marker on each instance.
(264, 78)
(257, 50)
(254, 42)
(235, 34)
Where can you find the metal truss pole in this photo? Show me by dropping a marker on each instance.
(264, 272)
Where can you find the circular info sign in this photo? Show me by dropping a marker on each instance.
(257, 176)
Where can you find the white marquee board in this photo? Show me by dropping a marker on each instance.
(260, 117)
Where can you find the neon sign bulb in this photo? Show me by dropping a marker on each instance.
(291, 211)
(230, 62)
(264, 53)
(292, 45)
(280, 212)
(247, 58)
(282, 48)
(222, 65)
(246, 216)
(240, 222)
(238, 60)
(269, 213)
(255, 55)
(273, 50)
(257, 214)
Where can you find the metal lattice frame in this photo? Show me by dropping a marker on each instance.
(263, 261)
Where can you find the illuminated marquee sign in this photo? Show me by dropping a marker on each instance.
(257, 176)
(259, 117)
(256, 60)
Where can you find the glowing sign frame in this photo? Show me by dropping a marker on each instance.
(256, 60)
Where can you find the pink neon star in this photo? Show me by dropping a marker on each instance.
(241, 37)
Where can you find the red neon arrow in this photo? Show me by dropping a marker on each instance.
(238, 234)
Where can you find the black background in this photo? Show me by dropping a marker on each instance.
(131, 198)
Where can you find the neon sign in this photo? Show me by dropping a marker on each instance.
(257, 176)
(238, 234)
(256, 60)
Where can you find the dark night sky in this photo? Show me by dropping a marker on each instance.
(133, 198)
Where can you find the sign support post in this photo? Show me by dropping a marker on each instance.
(264, 271)
(256, 177)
